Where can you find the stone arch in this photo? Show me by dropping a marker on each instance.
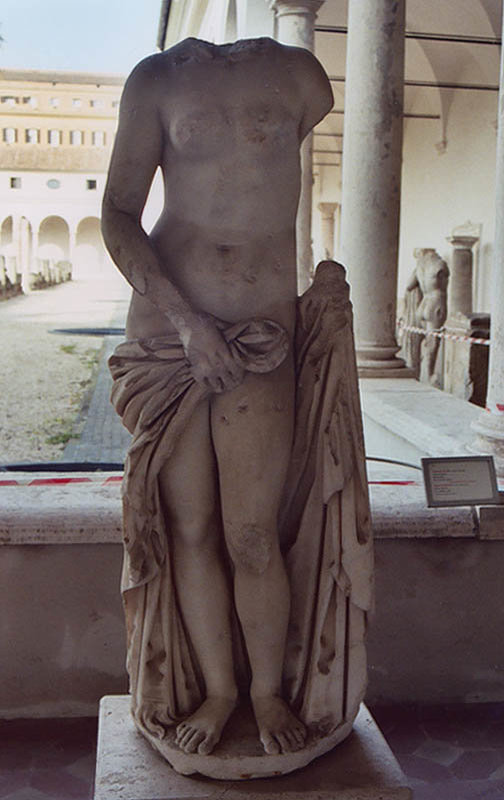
(8, 253)
(448, 62)
(54, 239)
(6, 231)
(89, 254)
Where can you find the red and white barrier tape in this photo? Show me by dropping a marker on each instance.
(118, 479)
(443, 335)
(60, 481)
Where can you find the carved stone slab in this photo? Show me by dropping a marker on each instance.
(360, 768)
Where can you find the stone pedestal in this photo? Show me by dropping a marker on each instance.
(371, 190)
(361, 768)
(460, 299)
(465, 364)
(295, 25)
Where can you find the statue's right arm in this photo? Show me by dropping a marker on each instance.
(136, 155)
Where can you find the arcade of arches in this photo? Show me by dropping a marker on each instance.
(36, 252)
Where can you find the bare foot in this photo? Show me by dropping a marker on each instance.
(279, 730)
(201, 731)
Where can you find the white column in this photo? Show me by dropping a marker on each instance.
(20, 241)
(490, 426)
(371, 192)
(295, 25)
(327, 227)
(72, 246)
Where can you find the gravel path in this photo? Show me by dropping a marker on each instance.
(44, 376)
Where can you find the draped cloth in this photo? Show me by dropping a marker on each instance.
(324, 521)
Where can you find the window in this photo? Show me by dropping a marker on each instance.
(91, 183)
(30, 101)
(53, 183)
(76, 137)
(54, 137)
(9, 135)
(97, 103)
(32, 136)
(115, 103)
(54, 102)
(15, 183)
(9, 100)
(98, 138)
(76, 102)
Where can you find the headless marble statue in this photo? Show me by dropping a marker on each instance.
(219, 597)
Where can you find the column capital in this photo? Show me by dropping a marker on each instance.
(296, 7)
(462, 242)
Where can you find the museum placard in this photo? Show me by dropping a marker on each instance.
(460, 481)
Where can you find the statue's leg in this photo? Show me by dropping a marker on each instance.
(252, 430)
(188, 489)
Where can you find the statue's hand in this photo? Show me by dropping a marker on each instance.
(209, 356)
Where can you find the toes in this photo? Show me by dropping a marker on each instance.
(299, 735)
(191, 743)
(207, 745)
(270, 745)
(185, 737)
(292, 744)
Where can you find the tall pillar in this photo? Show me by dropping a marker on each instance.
(24, 254)
(490, 426)
(295, 25)
(371, 192)
(327, 228)
(460, 297)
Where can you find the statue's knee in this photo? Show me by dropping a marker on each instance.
(250, 547)
(193, 531)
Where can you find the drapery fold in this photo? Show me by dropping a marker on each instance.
(324, 521)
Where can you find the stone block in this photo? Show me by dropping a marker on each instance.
(361, 768)
(491, 521)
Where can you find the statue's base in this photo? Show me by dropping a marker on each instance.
(361, 768)
(240, 756)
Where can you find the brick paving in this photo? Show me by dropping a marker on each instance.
(448, 752)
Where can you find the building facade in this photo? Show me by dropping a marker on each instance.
(56, 135)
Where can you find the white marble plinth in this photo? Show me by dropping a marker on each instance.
(127, 768)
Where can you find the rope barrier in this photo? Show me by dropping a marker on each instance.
(442, 334)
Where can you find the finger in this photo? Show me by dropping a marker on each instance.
(215, 384)
(233, 368)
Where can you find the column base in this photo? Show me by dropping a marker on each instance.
(489, 429)
(392, 367)
(380, 361)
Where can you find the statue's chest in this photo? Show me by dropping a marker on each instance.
(205, 127)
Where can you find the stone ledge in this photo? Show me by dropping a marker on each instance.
(77, 513)
(399, 512)
(434, 422)
(90, 513)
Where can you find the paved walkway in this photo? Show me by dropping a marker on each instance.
(103, 437)
(103, 305)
